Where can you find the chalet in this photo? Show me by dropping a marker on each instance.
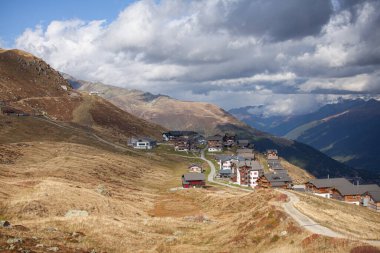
(225, 173)
(195, 168)
(246, 172)
(275, 165)
(193, 180)
(272, 154)
(243, 143)
(374, 200)
(246, 153)
(144, 143)
(275, 180)
(229, 140)
(182, 144)
(215, 143)
(174, 135)
(352, 193)
(324, 187)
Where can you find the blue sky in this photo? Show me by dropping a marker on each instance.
(277, 53)
(17, 15)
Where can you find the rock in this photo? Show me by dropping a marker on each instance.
(76, 213)
(14, 240)
(101, 189)
(53, 249)
(40, 245)
(283, 233)
(5, 224)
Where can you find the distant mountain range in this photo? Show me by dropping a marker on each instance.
(209, 119)
(348, 131)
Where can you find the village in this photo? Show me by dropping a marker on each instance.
(237, 163)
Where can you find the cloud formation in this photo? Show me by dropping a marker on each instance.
(216, 48)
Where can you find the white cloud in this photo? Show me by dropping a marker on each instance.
(213, 48)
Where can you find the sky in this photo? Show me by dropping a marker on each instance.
(292, 56)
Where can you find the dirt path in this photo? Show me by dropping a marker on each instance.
(212, 174)
(311, 225)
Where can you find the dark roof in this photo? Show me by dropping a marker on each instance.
(215, 138)
(330, 182)
(194, 176)
(272, 177)
(272, 151)
(244, 151)
(375, 195)
(226, 171)
(350, 189)
(243, 141)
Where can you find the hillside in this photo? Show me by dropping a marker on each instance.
(210, 119)
(163, 110)
(346, 131)
(65, 189)
(30, 85)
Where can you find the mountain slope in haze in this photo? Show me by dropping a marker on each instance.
(163, 110)
(348, 130)
(29, 84)
(210, 119)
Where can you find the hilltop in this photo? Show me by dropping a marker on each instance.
(30, 85)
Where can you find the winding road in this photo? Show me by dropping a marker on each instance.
(302, 220)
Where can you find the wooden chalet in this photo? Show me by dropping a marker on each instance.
(243, 143)
(275, 180)
(193, 180)
(374, 200)
(195, 168)
(353, 193)
(229, 140)
(272, 154)
(215, 143)
(324, 187)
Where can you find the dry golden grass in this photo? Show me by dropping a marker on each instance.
(348, 219)
(298, 175)
(139, 213)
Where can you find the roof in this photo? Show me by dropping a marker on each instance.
(351, 189)
(225, 171)
(244, 151)
(272, 178)
(272, 151)
(243, 141)
(195, 165)
(330, 182)
(375, 195)
(194, 176)
(215, 138)
(181, 133)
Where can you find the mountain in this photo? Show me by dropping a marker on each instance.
(348, 130)
(210, 119)
(30, 85)
(163, 110)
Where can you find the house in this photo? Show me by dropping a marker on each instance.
(182, 144)
(193, 180)
(246, 172)
(144, 143)
(215, 143)
(195, 168)
(225, 173)
(243, 143)
(275, 180)
(229, 140)
(324, 187)
(272, 154)
(374, 200)
(275, 165)
(246, 153)
(351, 193)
